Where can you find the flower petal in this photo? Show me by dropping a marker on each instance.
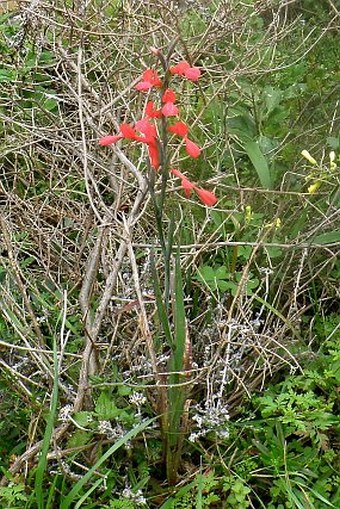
(193, 73)
(154, 155)
(128, 131)
(188, 186)
(151, 111)
(180, 68)
(109, 140)
(179, 128)
(152, 76)
(149, 79)
(143, 86)
(178, 174)
(192, 149)
(170, 110)
(144, 126)
(169, 96)
(207, 197)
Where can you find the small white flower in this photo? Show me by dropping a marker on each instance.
(65, 413)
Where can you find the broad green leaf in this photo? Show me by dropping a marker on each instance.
(260, 164)
(106, 409)
(79, 438)
(272, 98)
(327, 238)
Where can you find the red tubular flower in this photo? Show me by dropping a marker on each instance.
(170, 110)
(192, 149)
(128, 132)
(179, 128)
(146, 128)
(207, 197)
(180, 68)
(193, 73)
(151, 111)
(169, 96)
(154, 155)
(110, 140)
(183, 68)
(187, 185)
(149, 79)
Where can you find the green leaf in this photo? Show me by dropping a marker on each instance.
(333, 143)
(6, 76)
(124, 390)
(242, 125)
(272, 98)
(327, 238)
(259, 162)
(79, 438)
(106, 409)
(82, 418)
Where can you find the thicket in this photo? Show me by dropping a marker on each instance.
(159, 349)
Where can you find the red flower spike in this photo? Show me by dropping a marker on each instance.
(207, 197)
(169, 96)
(180, 68)
(170, 110)
(192, 149)
(151, 111)
(128, 131)
(109, 140)
(179, 128)
(193, 73)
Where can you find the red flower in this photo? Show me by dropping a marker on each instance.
(193, 73)
(170, 110)
(187, 185)
(206, 197)
(151, 111)
(128, 132)
(192, 149)
(180, 68)
(179, 128)
(109, 140)
(169, 96)
(149, 79)
(146, 128)
(183, 68)
(154, 155)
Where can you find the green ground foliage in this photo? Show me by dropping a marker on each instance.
(156, 351)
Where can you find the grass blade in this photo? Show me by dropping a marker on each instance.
(66, 503)
(39, 476)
